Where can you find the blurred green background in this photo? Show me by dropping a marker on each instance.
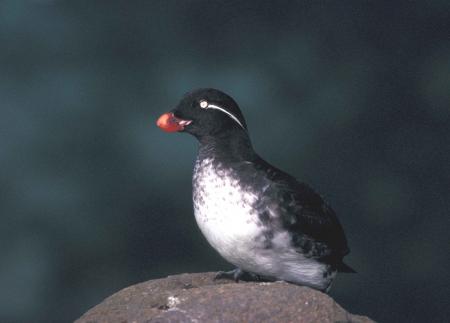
(352, 97)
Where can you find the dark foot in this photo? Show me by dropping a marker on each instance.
(237, 275)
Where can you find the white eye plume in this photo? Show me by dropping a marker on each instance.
(205, 105)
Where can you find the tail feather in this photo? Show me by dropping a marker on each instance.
(344, 268)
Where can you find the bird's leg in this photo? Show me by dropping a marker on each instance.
(237, 275)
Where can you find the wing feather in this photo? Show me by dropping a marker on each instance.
(314, 226)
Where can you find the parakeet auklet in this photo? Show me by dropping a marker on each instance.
(259, 218)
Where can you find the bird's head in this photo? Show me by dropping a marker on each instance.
(204, 112)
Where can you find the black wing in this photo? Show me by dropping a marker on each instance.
(316, 231)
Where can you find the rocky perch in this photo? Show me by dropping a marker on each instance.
(199, 298)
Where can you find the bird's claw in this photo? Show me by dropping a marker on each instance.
(237, 275)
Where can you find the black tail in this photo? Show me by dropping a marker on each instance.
(343, 268)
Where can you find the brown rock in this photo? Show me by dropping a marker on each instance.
(198, 298)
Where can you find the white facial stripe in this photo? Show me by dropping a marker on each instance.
(212, 106)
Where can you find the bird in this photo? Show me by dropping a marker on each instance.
(262, 220)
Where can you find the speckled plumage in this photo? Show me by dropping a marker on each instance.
(246, 228)
(257, 217)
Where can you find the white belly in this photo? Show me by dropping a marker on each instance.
(224, 213)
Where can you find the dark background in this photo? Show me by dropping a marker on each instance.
(352, 97)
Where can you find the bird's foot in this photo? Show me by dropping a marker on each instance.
(237, 275)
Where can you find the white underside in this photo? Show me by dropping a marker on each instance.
(223, 210)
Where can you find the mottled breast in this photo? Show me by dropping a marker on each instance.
(224, 211)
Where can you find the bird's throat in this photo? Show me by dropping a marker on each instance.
(232, 148)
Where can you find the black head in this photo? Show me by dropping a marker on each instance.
(205, 113)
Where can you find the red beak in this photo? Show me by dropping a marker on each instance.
(169, 123)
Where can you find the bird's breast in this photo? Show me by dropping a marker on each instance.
(224, 210)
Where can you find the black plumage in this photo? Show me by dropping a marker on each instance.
(283, 228)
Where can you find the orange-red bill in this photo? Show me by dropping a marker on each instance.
(169, 123)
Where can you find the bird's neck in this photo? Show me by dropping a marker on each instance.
(235, 148)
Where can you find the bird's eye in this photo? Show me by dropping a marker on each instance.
(203, 104)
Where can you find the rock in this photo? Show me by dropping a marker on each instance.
(198, 298)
